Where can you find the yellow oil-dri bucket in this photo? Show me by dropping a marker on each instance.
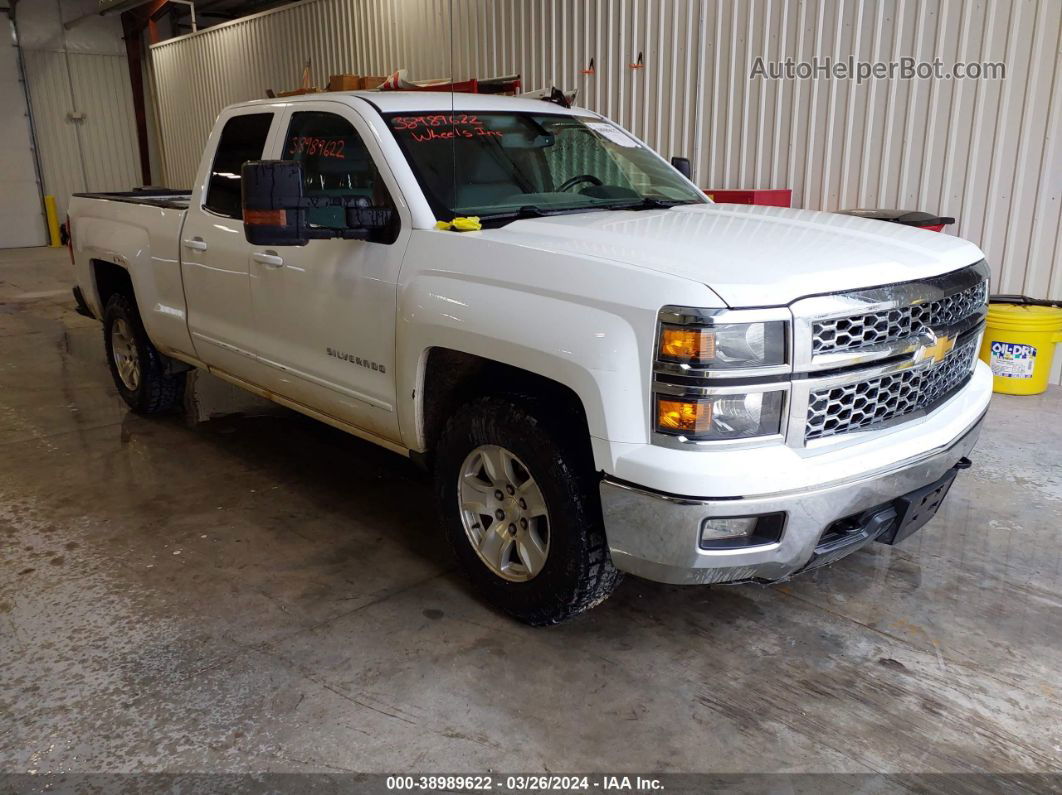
(1018, 345)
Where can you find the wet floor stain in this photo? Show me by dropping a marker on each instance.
(888, 662)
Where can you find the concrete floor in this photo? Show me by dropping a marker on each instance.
(267, 594)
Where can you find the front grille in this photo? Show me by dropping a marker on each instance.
(862, 404)
(877, 328)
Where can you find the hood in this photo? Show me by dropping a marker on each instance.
(751, 256)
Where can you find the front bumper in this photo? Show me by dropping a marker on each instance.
(656, 535)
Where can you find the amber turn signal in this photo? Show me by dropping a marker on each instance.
(687, 344)
(265, 217)
(688, 417)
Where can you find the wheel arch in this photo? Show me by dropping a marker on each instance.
(449, 378)
(112, 248)
(109, 278)
(594, 348)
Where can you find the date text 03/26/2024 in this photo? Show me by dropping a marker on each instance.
(520, 783)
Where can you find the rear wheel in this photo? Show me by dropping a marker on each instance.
(138, 369)
(519, 503)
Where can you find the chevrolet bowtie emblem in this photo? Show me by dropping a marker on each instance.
(940, 348)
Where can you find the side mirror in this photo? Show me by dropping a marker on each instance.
(273, 213)
(682, 166)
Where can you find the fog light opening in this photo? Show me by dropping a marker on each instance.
(729, 532)
(736, 527)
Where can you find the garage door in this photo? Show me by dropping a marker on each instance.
(21, 221)
(83, 112)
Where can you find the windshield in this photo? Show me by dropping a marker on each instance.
(506, 164)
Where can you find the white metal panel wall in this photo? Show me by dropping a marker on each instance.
(41, 26)
(987, 152)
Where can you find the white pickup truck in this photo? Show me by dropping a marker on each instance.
(606, 373)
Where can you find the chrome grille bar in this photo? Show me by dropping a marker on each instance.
(889, 325)
(913, 314)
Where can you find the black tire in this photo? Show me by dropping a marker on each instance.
(155, 391)
(578, 573)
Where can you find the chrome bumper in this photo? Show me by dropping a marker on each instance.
(656, 536)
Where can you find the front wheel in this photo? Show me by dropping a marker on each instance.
(138, 369)
(519, 504)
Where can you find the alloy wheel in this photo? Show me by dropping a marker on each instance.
(504, 513)
(125, 353)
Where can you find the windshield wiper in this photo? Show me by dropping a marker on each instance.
(647, 203)
(533, 211)
(527, 211)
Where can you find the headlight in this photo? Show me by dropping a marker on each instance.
(720, 417)
(726, 346)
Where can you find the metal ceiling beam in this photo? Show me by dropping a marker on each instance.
(116, 6)
(235, 11)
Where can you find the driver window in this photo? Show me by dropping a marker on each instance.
(335, 164)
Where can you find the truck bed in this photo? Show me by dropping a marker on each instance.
(159, 197)
(140, 232)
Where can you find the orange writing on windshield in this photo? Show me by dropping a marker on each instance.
(442, 127)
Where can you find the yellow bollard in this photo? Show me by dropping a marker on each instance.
(53, 221)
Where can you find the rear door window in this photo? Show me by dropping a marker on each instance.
(243, 138)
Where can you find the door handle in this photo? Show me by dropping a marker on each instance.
(268, 258)
(196, 244)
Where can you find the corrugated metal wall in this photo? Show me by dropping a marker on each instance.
(985, 151)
